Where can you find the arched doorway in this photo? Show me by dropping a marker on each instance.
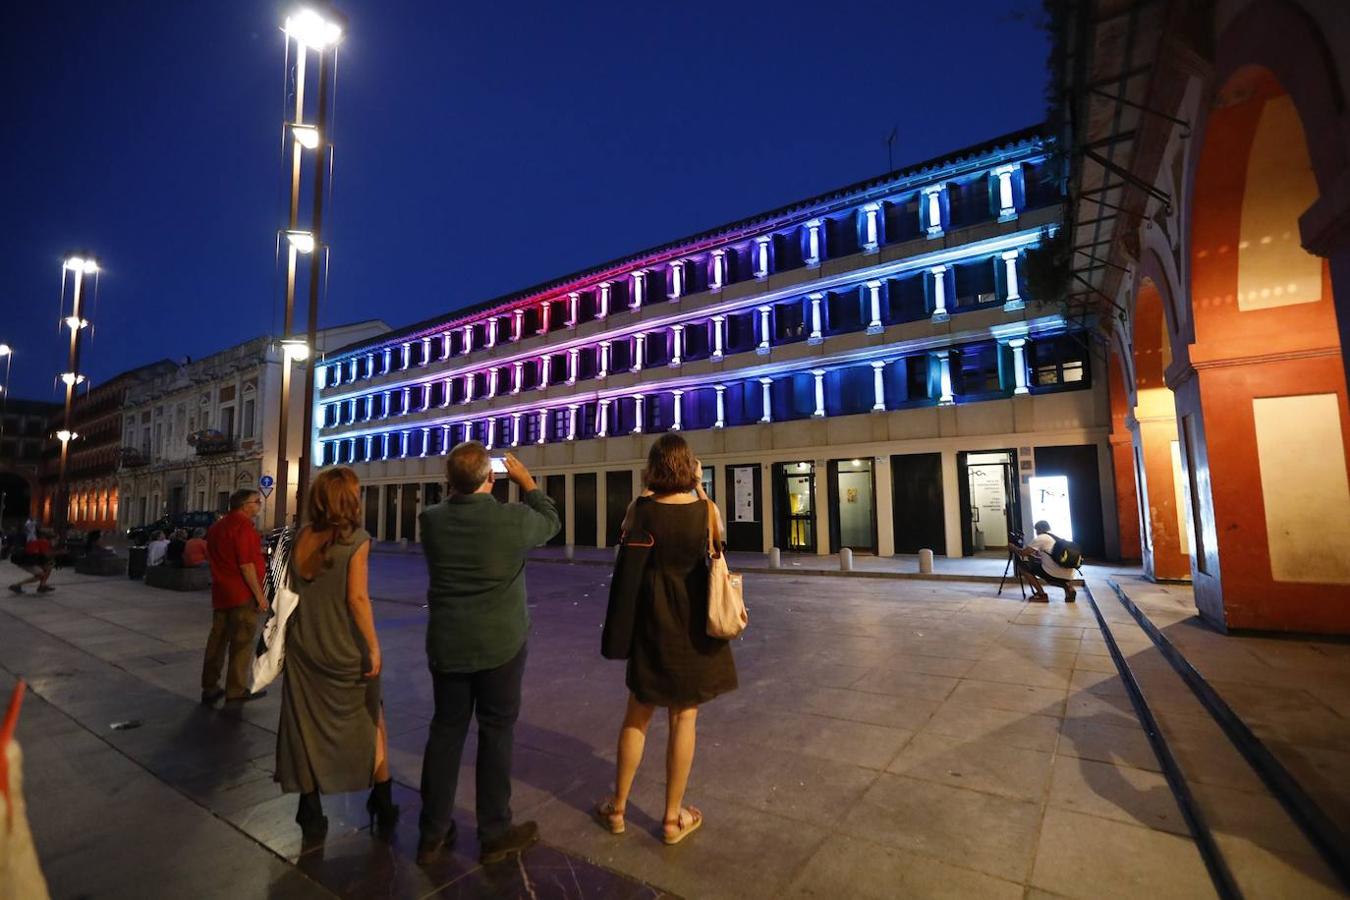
(1263, 423)
(15, 498)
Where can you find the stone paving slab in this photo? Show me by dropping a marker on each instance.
(890, 738)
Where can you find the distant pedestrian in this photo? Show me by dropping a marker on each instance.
(30, 529)
(194, 551)
(673, 662)
(173, 554)
(475, 549)
(37, 559)
(156, 549)
(331, 739)
(237, 564)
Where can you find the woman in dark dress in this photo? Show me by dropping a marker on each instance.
(331, 738)
(673, 662)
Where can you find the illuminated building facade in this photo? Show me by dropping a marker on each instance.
(872, 368)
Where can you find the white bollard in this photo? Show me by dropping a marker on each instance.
(846, 560)
(775, 558)
(569, 551)
(403, 545)
(925, 562)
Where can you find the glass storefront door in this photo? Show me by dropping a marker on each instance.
(796, 507)
(852, 519)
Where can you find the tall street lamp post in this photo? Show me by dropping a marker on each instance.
(8, 353)
(77, 267)
(316, 34)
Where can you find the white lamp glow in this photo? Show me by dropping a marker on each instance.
(5, 350)
(302, 241)
(65, 436)
(295, 348)
(70, 378)
(306, 136)
(312, 29)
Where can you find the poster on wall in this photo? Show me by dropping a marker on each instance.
(743, 495)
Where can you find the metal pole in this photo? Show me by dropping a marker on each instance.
(321, 157)
(288, 324)
(73, 370)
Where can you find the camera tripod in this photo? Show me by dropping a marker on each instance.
(1013, 566)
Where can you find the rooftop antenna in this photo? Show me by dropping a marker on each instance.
(890, 149)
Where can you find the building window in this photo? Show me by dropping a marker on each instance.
(250, 408)
(979, 371)
(1059, 361)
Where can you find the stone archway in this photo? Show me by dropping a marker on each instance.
(1262, 417)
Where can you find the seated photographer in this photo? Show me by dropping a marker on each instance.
(1038, 566)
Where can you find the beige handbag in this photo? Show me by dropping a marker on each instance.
(727, 617)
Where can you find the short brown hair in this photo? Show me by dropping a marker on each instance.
(467, 467)
(671, 466)
(240, 497)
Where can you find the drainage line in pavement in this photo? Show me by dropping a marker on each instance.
(1322, 833)
(1219, 873)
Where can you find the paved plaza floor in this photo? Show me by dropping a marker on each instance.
(890, 738)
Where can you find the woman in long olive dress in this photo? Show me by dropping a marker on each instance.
(331, 738)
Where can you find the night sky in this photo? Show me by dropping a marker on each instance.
(480, 148)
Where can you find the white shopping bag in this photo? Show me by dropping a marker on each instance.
(272, 642)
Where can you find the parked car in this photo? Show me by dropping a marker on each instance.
(140, 535)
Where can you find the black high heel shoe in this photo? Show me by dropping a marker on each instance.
(383, 812)
(313, 823)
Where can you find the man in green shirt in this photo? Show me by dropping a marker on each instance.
(475, 549)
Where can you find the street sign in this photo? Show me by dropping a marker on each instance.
(265, 485)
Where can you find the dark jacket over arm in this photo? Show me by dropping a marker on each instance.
(475, 549)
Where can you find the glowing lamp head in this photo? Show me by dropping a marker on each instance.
(70, 379)
(75, 323)
(80, 264)
(306, 136)
(295, 349)
(312, 29)
(302, 241)
(66, 436)
(6, 349)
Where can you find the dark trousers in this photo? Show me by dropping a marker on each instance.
(494, 696)
(232, 631)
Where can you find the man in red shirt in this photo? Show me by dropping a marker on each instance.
(234, 551)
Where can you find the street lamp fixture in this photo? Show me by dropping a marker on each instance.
(73, 322)
(312, 29)
(302, 241)
(66, 437)
(295, 349)
(70, 379)
(306, 136)
(6, 349)
(80, 264)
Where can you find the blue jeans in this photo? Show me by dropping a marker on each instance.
(493, 695)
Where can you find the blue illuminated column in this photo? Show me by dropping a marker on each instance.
(813, 243)
(639, 351)
(515, 429)
(874, 325)
(878, 386)
(370, 365)
(491, 332)
(468, 339)
(445, 400)
(604, 360)
(718, 323)
(426, 440)
(676, 344)
(468, 387)
(764, 330)
(445, 345)
(639, 290)
(407, 355)
(939, 274)
(405, 443)
(639, 407)
(1019, 365)
(717, 278)
(1013, 301)
(492, 382)
(384, 445)
(545, 313)
(384, 413)
(573, 309)
(388, 360)
(945, 378)
(602, 418)
(572, 421)
(517, 374)
(351, 411)
(1007, 206)
(407, 401)
(602, 300)
(488, 434)
(871, 228)
(816, 336)
(819, 375)
(677, 398)
(573, 357)
(541, 419)
(766, 399)
(543, 371)
(931, 210)
(677, 279)
(426, 354)
(721, 390)
(517, 324)
(445, 440)
(762, 256)
(370, 445)
(351, 449)
(352, 365)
